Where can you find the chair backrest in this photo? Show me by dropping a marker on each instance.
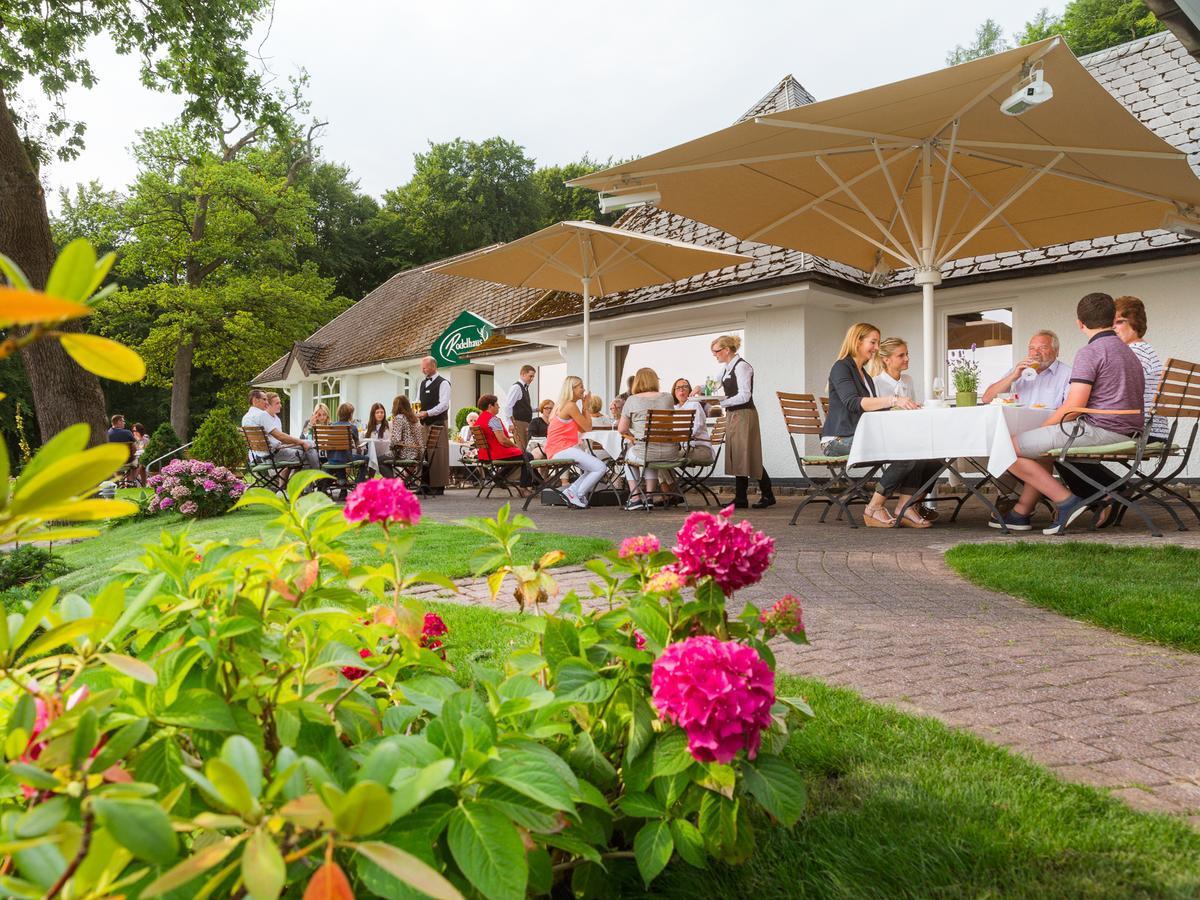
(718, 432)
(1178, 395)
(332, 438)
(824, 408)
(801, 414)
(433, 436)
(669, 426)
(255, 437)
(479, 442)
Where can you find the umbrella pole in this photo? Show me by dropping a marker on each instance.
(587, 332)
(930, 340)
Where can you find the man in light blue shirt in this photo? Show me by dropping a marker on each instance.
(1049, 388)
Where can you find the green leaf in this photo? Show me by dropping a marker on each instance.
(13, 273)
(365, 809)
(134, 668)
(140, 826)
(72, 271)
(652, 624)
(74, 475)
(412, 787)
(104, 357)
(671, 754)
(777, 786)
(641, 805)
(527, 774)
(87, 732)
(488, 850)
(33, 776)
(263, 870)
(119, 743)
(241, 754)
(407, 868)
(199, 709)
(578, 682)
(192, 867)
(43, 817)
(652, 849)
(560, 641)
(689, 842)
(58, 637)
(230, 787)
(298, 482)
(33, 618)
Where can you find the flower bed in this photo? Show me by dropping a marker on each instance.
(195, 489)
(275, 715)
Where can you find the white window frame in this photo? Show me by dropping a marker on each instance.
(328, 393)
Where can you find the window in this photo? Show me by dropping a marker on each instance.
(986, 335)
(682, 357)
(329, 395)
(485, 383)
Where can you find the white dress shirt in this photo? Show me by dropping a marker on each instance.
(1049, 388)
(510, 400)
(744, 373)
(443, 398)
(885, 384)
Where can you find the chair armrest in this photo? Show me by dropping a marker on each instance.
(1085, 410)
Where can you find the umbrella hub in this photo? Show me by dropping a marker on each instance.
(927, 275)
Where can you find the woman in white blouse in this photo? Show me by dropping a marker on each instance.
(743, 441)
(887, 369)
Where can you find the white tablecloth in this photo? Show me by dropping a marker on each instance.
(980, 431)
(609, 439)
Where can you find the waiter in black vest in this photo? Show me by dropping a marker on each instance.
(743, 442)
(435, 410)
(517, 409)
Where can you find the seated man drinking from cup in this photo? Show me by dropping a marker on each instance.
(1049, 387)
(1107, 378)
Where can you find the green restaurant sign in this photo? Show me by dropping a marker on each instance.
(465, 333)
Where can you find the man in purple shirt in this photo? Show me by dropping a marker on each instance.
(1107, 377)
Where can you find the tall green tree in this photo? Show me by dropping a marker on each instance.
(1092, 25)
(214, 227)
(192, 49)
(463, 195)
(989, 39)
(561, 203)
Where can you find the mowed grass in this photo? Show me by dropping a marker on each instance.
(1151, 593)
(902, 806)
(442, 548)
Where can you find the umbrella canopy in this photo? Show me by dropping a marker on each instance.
(594, 259)
(929, 169)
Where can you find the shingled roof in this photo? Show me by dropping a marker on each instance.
(1154, 77)
(400, 320)
(788, 94)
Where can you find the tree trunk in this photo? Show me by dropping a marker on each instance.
(63, 393)
(181, 385)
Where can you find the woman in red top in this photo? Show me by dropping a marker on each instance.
(500, 444)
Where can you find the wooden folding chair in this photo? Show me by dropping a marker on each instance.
(1178, 398)
(337, 439)
(494, 473)
(803, 417)
(433, 436)
(694, 476)
(664, 428)
(262, 467)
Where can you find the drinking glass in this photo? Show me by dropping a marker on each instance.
(902, 391)
(938, 388)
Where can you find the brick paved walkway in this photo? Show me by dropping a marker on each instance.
(889, 619)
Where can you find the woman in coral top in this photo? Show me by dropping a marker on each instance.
(567, 423)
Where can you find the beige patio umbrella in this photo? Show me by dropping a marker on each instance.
(930, 169)
(594, 259)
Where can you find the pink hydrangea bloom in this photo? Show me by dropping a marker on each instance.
(642, 545)
(166, 502)
(664, 581)
(639, 640)
(209, 484)
(383, 500)
(353, 672)
(784, 617)
(733, 555)
(188, 507)
(719, 692)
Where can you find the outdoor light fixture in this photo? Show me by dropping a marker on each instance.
(1033, 91)
(617, 202)
(1188, 226)
(880, 273)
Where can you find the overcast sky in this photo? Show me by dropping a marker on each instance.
(563, 79)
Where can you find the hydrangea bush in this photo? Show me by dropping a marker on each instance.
(194, 488)
(272, 717)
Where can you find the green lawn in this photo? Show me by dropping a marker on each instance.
(902, 806)
(1151, 593)
(444, 548)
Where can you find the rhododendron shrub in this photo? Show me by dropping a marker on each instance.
(274, 717)
(194, 488)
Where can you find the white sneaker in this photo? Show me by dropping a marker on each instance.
(574, 500)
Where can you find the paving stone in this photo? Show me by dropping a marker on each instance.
(887, 617)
